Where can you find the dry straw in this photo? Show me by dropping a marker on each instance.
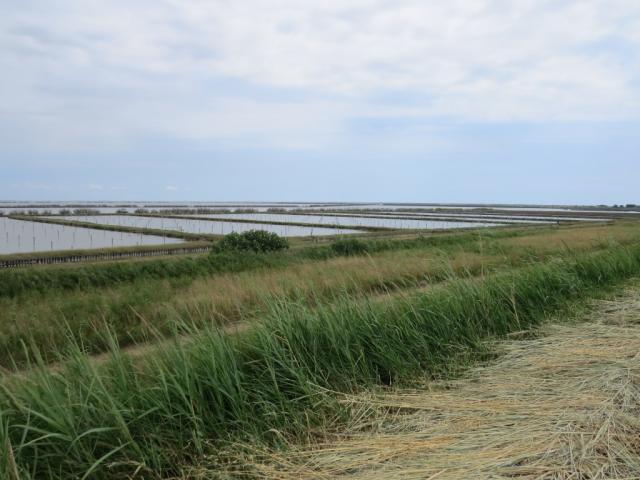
(565, 405)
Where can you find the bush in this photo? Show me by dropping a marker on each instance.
(254, 240)
(350, 246)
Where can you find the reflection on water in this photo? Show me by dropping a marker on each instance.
(206, 227)
(45, 208)
(55, 210)
(502, 218)
(376, 222)
(18, 236)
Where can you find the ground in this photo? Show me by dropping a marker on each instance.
(297, 364)
(562, 405)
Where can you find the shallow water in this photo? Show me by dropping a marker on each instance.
(56, 210)
(347, 221)
(113, 207)
(18, 236)
(498, 217)
(207, 227)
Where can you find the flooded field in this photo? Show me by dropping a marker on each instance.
(356, 221)
(56, 210)
(206, 226)
(45, 208)
(501, 218)
(458, 216)
(18, 236)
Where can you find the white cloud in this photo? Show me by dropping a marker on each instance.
(171, 188)
(293, 72)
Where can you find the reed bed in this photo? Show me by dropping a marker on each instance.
(151, 299)
(565, 405)
(24, 282)
(160, 414)
(142, 311)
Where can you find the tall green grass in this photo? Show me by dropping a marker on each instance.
(16, 282)
(134, 311)
(145, 305)
(148, 417)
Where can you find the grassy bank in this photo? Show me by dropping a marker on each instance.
(117, 228)
(143, 309)
(16, 282)
(71, 277)
(184, 401)
(99, 252)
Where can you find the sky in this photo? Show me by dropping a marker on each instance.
(491, 101)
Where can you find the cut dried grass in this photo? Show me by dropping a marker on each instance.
(565, 405)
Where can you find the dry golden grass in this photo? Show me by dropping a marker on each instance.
(347, 274)
(565, 405)
(240, 295)
(137, 312)
(578, 237)
(234, 296)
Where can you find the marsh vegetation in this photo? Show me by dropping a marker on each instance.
(159, 367)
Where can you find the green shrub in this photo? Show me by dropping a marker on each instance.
(350, 246)
(254, 240)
